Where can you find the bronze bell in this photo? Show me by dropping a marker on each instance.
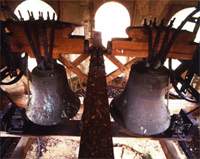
(141, 108)
(52, 99)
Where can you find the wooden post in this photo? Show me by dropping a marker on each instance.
(22, 147)
(170, 150)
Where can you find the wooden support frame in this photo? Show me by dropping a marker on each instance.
(22, 147)
(134, 46)
(64, 60)
(127, 48)
(170, 150)
(80, 59)
(120, 66)
(117, 72)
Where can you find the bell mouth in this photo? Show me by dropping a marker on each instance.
(140, 126)
(52, 98)
(141, 108)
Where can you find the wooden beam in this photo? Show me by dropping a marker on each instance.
(22, 147)
(5, 12)
(61, 46)
(117, 72)
(120, 66)
(138, 46)
(80, 59)
(61, 10)
(134, 12)
(170, 150)
(62, 42)
(62, 129)
(63, 59)
(127, 48)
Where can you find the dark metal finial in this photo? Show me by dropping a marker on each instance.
(58, 16)
(145, 22)
(29, 14)
(171, 22)
(198, 6)
(21, 18)
(32, 15)
(154, 22)
(53, 16)
(162, 22)
(48, 18)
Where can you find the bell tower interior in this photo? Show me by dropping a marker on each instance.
(100, 79)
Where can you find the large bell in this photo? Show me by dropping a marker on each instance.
(52, 99)
(141, 108)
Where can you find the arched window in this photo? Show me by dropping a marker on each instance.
(112, 19)
(34, 6)
(189, 26)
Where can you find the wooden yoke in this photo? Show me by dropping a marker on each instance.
(64, 43)
(137, 46)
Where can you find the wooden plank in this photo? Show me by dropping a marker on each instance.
(65, 128)
(117, 72)
(62, 42)
(120, 66)
(22, 147)
(140, 34)
(138, 47)
(170, 150)
(61, 45)
(72, 129)
(62, 29)
(63, 59)
(80, 59)
(134, 12)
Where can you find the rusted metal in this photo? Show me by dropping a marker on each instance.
(150, 49)
(159, 30)
(44, 36)
(51, 40)
(141, 108)
(96, 134)
(52, 99)
(192, 70)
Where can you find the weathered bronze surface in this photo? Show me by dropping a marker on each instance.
(141, 108)
(52, 99)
